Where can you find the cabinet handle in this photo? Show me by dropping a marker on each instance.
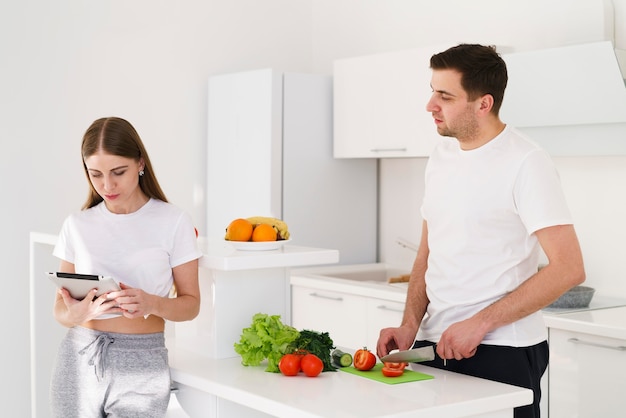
(387, 308)
(388, 150)
(612, 347)
(317, 295)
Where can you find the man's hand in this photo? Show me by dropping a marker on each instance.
(461, 339)
(401, 338)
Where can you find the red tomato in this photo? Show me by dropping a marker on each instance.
(312, 365)
(389, 372)
(289, 364)
(399, 366)
(364, 359)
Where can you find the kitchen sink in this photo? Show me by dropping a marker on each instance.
(372, 273)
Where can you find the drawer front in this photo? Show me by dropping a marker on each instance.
(381, 314)
(340, 314)
(586, 375)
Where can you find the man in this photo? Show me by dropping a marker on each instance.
(492, 201)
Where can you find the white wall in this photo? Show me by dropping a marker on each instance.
(67, 63)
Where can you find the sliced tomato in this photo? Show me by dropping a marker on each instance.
(364, 359)
(398, 366)
(389, 372)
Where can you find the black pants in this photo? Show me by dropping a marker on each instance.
(519, 366)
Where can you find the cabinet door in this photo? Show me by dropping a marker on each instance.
(380, 105)
(340, 314)
(381, 314)
(244, 147)
(586, 375)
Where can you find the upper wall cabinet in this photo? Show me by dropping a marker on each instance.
(573, 85)
(380, 105)
(570, 99)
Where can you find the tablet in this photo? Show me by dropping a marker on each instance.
(79, 285)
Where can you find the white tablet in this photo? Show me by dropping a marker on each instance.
(79, 285)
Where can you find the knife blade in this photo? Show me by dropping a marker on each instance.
(411, 356)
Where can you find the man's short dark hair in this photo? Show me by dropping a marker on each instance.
(483, 71)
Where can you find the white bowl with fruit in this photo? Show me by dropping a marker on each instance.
(257, 233)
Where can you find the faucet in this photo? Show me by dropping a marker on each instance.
(406, 244)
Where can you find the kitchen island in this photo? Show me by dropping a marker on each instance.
(210, 380)
(250, 391)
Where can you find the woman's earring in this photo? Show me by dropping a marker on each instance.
(140, 173)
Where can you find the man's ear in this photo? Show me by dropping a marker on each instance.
(486, 103)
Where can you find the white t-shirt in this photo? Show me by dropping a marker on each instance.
(482, 208)
(139, 249)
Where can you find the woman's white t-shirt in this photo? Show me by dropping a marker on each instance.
(482, 208)
(139, 249)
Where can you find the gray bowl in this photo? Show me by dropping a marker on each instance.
(576, 297)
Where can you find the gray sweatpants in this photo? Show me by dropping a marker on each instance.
(100, 374)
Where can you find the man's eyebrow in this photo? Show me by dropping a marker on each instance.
(442, 91)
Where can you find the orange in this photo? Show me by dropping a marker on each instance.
(264, 232)
(239, 230)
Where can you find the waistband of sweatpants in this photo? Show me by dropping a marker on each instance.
(137, 341)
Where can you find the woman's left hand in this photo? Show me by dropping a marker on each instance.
(134, 302)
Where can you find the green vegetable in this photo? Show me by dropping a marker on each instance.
(341, 359)
(266, 338)
(316, 343)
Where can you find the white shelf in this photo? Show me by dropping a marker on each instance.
(220, 255)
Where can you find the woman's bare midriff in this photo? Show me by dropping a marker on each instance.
(124, 325)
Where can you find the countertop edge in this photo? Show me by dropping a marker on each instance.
(575, 324)
(288, 256)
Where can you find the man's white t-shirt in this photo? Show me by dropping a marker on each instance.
(482, 208)
(139, 249)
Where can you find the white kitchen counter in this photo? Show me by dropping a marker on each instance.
(609, 322)
(339, 394)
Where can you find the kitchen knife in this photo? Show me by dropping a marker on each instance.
(411, 356)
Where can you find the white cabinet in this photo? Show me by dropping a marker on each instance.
(381, 314)
(339, 314)
(574, 76)
(380, 105)
(380, 100)
(352, 321)
(586, 377)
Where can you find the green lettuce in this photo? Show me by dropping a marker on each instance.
(266, 338)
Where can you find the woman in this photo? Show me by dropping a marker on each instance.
(113, 360)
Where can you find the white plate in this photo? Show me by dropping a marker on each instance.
(258, 246)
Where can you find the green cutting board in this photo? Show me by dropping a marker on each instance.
(377, 374)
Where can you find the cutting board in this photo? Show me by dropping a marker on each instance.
(377, 375)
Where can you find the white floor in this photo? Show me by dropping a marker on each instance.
(175, 410)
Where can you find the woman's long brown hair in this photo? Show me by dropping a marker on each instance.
(117, 136)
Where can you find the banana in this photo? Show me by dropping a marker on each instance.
(280, 226)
